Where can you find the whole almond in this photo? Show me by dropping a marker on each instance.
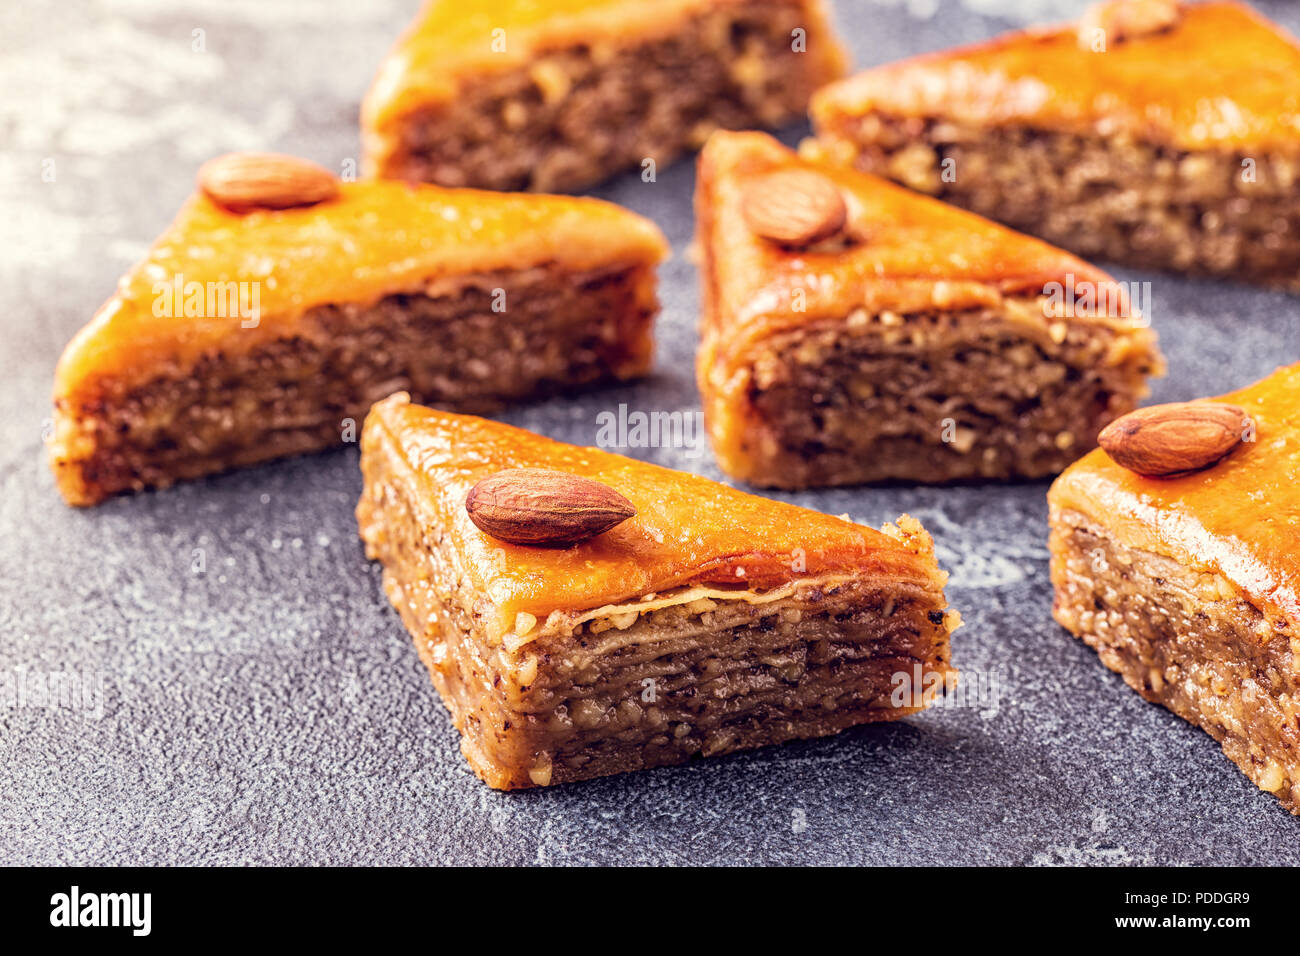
(541, 507)
(795, 207)
(1165, 441)
(1114, 21)
(242, 182)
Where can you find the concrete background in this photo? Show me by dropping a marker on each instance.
(270, 708)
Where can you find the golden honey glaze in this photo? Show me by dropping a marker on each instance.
(1239, 518)
(1223, 77)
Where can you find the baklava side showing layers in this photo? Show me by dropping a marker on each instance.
(712, 621)
(558, 96)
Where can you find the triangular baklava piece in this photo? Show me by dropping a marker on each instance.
(280, 304)
(709, 621)
(560, 94)
(855, 331)
(1151, 133)
(1175, 556)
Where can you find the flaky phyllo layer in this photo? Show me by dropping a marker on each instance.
(700, 599)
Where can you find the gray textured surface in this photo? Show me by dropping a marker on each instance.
(271, 708)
